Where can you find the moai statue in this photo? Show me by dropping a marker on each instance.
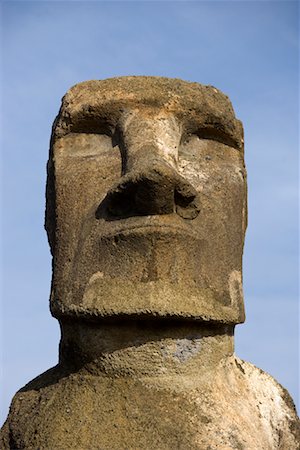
(146, 215)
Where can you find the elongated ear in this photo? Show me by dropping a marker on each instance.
(50, 218)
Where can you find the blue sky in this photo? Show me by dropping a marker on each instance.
(249, 50)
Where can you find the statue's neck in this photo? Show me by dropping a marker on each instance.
(144, 348)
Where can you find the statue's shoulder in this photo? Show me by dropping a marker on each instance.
(274, 404)
(263, 385)
(25, 406)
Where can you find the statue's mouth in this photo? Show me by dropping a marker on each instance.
(158, 225)
(152, 229)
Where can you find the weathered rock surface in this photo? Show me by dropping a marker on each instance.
(147, 201)
(146, 216)
(163, 393)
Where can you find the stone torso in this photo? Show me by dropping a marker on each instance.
(236, 407)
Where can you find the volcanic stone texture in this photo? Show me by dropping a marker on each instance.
(146, 215)
(146, 209)
(150, 387)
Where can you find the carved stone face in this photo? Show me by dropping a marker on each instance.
(146, 202)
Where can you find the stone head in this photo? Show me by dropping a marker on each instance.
(146, 202)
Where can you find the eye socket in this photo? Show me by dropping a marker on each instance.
(92, 125)
(218, 135)
(201, 150)
(213, 134)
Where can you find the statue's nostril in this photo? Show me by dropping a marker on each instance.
(154, 197)
(188, 212)
(187, 202)
(120, 201)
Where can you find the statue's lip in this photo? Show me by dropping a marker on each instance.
(151, 224)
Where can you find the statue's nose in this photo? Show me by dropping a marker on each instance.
(153, 188)
(151, 183)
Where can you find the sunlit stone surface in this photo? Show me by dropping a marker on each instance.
(146, 216)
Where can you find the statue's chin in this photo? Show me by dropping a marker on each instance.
(106, 297)
(151, 274)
